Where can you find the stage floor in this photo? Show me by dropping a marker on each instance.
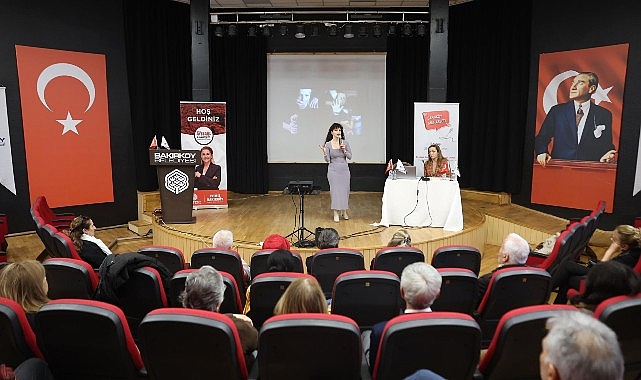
(254, 217)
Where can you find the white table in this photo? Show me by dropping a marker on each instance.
(411, 202)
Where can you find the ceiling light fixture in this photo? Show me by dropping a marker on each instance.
(347, 31)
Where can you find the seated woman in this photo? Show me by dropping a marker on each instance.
(204, 290)
(25, 283)
(303, 295)
(625, 248)
(90, 248)
(401, 238)
(207, 173)
(281, 260)
(436, 165)
(276, 241)
(605, 280)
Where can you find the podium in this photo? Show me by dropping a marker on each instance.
(175, 169)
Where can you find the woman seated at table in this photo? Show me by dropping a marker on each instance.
(436, 165)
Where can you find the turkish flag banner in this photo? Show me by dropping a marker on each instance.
(66, 125)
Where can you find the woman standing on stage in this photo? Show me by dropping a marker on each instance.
(336, 152)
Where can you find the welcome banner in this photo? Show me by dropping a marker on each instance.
(66, 125)
(202, 124)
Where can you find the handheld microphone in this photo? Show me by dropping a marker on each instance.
(340, 141)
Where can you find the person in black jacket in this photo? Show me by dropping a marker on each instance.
(90, 248)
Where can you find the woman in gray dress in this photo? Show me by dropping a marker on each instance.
(336, 152)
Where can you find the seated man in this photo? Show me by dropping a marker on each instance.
(224, 239)
(420, 285)
(512, 253)
(578, 346)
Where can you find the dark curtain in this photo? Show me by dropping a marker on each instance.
(488, 72)
(407, 67)
(239, 77)
(158, 43)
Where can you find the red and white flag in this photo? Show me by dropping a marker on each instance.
(66, 125)
(154, 143)
(390, 166)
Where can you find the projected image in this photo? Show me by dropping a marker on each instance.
(336, 103)
(306, 94)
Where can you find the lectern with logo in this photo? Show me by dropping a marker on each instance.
(175, 169)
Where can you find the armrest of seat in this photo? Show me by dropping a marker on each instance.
(253, 371)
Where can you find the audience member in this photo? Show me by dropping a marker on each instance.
(577, 347)
(401, 238)
(424, 374)
(224, 239)
(420, 286)
(327, 238)
(605, 280)
(513, 253)
(625, 248)
(89, 247)
(281, 260)
(276, 241)
(303, 295)
(204, 290)
(25, 282)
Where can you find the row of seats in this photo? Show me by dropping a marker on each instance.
(90, 339)
(366, 296)
(327, 264)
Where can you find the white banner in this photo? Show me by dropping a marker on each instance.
(436, 123)
(6, 163)
(637, 176)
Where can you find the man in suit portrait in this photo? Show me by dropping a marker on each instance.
(579, 129)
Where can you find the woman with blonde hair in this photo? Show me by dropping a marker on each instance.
(25, 283)
(303, 295)
(401, 238)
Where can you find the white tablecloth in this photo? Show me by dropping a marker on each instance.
(434, 203)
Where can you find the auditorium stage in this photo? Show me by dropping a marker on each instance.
(486, 220)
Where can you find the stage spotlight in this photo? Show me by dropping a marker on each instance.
(282, 29)
(407, 30)
(377, 30)
(362, 31)
(267, 32)
(218, 31)
(315, 30)
(420, 30)
(232, 30)
(251, 31)
(391, 31)
(332, 30)
(300, 31)
(347, 31)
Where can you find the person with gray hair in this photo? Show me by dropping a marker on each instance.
(205, 290)
(326, 238)
(420, 286)
(513, 252)
(579, 346)
(224, 239)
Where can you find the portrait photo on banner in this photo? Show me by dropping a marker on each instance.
(578, 125)
(203, 128)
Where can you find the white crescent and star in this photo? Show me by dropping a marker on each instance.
(549, 95)
(65, 69)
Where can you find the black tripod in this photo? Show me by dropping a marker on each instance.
(302, 233)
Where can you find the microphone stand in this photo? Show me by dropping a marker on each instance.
(302, 233)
